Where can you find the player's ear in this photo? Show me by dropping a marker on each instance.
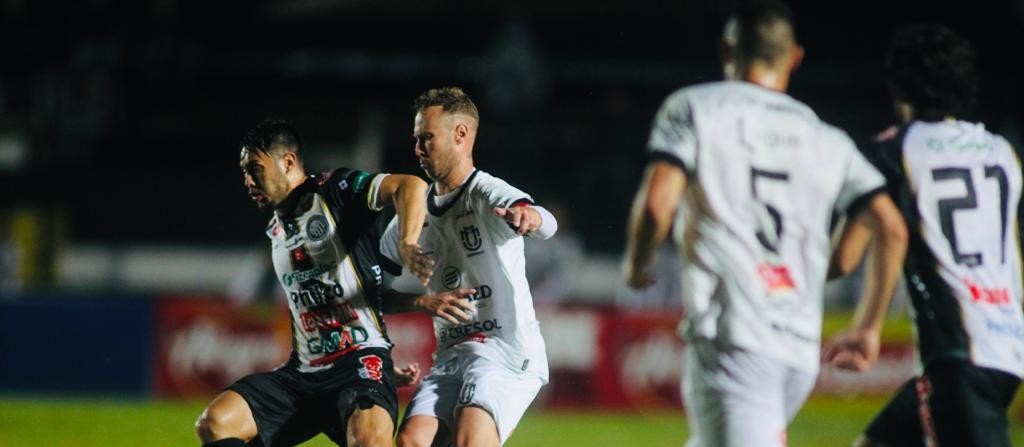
(461, 132)
(289, 161)
(796, 57)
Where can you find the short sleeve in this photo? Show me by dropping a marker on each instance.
(861, 180)
(497, 193)
(673, 134)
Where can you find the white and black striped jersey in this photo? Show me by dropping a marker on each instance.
(959, 188)
(475, 248)
(764, 174)
(326, 260)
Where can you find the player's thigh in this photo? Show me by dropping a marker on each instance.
(501, 394)
(899, 422)
(227, 416)
(969, 404)
(476, 427)
(734, 398)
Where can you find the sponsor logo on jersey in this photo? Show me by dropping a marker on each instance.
(980, 294)
(334, 342)
(470, 236)
(299, 255)
(328, 317)
(451, 277)
(466, 395)
(305, 275)
(317, 228)
(482, 292)
(372, 367)
(473, 331)
(776, 278)
(316, 293)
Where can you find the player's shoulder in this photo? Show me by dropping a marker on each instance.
(484, 182)
(344, 179)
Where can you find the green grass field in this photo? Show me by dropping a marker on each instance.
(113, 423)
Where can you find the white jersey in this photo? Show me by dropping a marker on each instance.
(475, 248)
(764, 175)
(326, 260)
(959, 188)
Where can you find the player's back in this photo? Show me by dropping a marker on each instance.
(959, 187)
(764, 175)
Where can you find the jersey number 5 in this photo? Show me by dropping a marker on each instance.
(769, 238)
(969, 202)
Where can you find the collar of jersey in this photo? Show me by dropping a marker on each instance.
(437, 211)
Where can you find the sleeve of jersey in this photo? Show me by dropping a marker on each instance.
(861, 180)
(673, 134)
(497, 193)
(391, 261)
(353, 190)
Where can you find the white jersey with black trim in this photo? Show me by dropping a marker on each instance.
(764, 175)
(474, 248)
(326, 260)
(965, 186)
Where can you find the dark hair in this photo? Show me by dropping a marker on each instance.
(932, 68)
(451, 100)
(272, 133)
(757, 35)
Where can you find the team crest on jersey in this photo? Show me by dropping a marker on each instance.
(317, 228)
(471, 240)
(451, 277)
(372, 368)
(466, 396)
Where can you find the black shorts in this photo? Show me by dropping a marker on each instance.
(291, 407)
(954, 402)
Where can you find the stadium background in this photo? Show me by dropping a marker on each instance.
(133, 274)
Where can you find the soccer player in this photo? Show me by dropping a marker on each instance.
(749, 177)
(959, 188)
(486, 370)
(324, 237)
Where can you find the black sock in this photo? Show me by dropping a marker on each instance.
(229, 442)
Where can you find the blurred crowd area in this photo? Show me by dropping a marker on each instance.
(119, 124)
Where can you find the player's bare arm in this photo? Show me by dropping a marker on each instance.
(849, 250)
(453, 306)
(857, 348)
(529, 220)
(406, 193)
(650, 219)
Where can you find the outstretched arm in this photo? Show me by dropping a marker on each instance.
(857, 348)
(650, 219)
(408, 195)
(529, 220)
(453, 305)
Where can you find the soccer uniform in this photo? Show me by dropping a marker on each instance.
(764, 174)
(497, 360)
(959, 188)
(327, 262)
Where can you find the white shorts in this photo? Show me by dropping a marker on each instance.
(469, 380)
(737, 398)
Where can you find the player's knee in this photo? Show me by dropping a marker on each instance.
(476, 439)
(211, 427)
(372, 436)
(408, 438)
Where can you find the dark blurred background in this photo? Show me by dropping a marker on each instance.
(121, 119)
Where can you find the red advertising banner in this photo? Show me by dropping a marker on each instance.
(203, 345)
(598, 358)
